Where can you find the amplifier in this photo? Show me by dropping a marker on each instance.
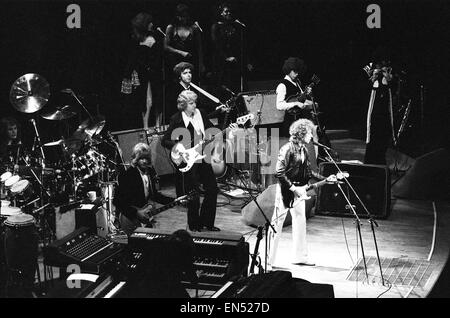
(371, 183)
(264, 102)
(152, 137)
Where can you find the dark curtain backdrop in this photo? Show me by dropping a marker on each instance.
(331, 36)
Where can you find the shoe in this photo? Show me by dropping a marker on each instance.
(212, 228)
(305, 264)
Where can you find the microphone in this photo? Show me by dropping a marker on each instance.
(228, 90)
(198, 26)
(162, 32)
(239, 22)
(320, 145)
(66, 90)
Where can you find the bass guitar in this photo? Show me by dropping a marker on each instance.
(128, 225)
(184, 158)
(331, 179)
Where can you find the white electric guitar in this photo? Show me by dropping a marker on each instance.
(329, 180)
(184, 158)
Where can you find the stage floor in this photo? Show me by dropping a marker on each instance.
(411, 262)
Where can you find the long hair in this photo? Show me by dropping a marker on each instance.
(139, 26)
(182, 10)
(140, 150)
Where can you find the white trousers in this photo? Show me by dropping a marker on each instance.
(298, 214)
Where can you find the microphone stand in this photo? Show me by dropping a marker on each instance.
(266, 225)
(358, 221)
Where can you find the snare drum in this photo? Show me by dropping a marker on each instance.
(21, 245)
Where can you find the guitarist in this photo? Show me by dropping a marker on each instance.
(137, 186)
(289, 86)
(293, 171)
(195, 121)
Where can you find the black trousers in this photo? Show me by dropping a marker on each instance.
(380, 137)
(200, 173)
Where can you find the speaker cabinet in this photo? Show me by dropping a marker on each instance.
(265, 103)
(370, 182)
(160, 155)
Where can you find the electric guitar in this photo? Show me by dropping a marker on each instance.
(329, 180)
(184, 158)
(128, 225)
(301, 96)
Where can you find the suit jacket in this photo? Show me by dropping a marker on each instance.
(131, 192)
(176, 121)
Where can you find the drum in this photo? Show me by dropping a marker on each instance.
(5, 176)
(10, 211)
(22, 190)
(11, 181)
(89, 164)
(21, 246)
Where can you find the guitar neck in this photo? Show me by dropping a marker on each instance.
(165, 207)
(316, 185)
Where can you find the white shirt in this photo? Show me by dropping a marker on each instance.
(146, 183)
(196, 121)
(281, 94)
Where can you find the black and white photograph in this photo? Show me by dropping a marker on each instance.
(233, 152)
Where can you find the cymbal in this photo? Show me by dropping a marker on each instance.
(53, 143)
(60, 113)
(93, 126)
(29, 93)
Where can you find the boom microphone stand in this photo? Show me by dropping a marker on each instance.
(358, 221)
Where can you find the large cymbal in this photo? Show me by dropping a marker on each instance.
(60, 113)
(93, 126)
(29, 93)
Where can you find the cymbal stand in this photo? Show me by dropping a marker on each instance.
(81, 104)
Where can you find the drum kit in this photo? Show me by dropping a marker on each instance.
(31, 181)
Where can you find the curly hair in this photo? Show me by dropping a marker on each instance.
(185, 97)
(139, 25)
(140, 150)
(293, 64)
(180, 67)
(300, 128)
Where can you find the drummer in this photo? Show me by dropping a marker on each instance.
(10, 141)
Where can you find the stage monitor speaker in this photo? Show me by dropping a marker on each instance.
(160, 155)
(266, 103)
(371, 183)
(251, 215)
(427, 178)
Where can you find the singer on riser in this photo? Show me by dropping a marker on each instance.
(183, 42)
(229, 56)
